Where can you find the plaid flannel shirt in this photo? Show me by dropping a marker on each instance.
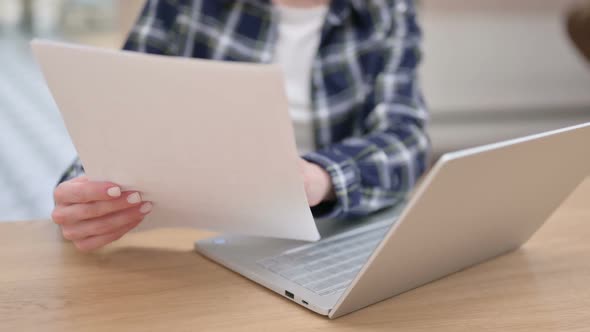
(368, 112)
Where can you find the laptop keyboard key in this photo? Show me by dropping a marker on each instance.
(327, 266)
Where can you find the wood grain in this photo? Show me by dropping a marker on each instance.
(154, 281)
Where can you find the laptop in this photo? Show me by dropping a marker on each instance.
(473, 205)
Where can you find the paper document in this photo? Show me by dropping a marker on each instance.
(210, 143)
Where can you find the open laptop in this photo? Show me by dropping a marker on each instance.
(473, 205)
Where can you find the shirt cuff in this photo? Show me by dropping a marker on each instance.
(75, 170)
(346, 181)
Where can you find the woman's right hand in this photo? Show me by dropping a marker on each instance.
(92, 214)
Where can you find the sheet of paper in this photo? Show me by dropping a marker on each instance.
(210, 143)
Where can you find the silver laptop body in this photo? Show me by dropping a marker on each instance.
(473, 205)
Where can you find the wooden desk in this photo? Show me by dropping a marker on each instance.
(154, 281)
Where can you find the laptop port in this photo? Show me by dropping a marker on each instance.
(304, 302)
(289, 295)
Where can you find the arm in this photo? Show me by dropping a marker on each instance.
(92, 214)
(153, 32)
(379, 168)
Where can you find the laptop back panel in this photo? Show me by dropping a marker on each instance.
(474, 205)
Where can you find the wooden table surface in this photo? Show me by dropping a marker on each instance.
(154, 281)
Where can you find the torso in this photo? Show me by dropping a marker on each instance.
(345, 68)
(299, 33)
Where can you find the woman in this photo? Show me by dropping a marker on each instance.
(350, 75)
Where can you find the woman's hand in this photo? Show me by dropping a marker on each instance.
(92, 214)
(318, 183)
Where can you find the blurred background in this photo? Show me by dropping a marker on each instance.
(493, 69)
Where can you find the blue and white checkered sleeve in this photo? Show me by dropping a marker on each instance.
(153, 31)
(75, 170)
(379, 168)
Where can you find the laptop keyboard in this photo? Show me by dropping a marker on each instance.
(328, 266)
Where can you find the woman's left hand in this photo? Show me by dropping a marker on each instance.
(318, 183)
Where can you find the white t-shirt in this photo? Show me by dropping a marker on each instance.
(298, 41)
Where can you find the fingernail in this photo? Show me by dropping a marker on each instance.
(114, 191)
(134, 198)
(146, 207)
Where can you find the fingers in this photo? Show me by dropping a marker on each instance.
(94, 213)
(67, 214)
(81, 190)
(95, 242)
(106, 224)
(317, 183)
